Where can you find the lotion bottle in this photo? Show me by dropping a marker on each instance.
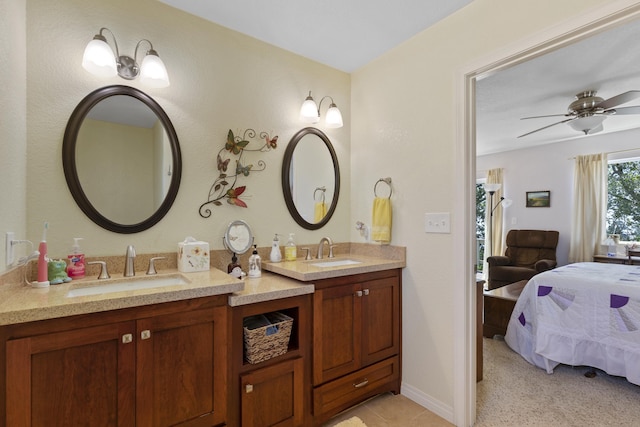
(290, 250)
(75, 269)
(276, 255)
(255, 263)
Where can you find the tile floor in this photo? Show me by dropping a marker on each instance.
(389, 410)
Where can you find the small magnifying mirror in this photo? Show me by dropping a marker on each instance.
(238, 238)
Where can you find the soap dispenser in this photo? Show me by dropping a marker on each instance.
(276, 255)
(255, 263)
(290, 250)
(234, 268)
(76, 268)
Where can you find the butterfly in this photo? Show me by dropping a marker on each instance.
(233, 195)
(273, 143)
(234, 146)
(243, 169)
(222, 165)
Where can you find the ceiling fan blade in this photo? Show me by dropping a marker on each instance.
(540, 117)
(548, 126)
(624, 110)
(619, 99)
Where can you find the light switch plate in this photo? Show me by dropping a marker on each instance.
(437, 222)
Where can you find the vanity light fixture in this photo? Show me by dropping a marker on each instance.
(310, 112)
(99, 60)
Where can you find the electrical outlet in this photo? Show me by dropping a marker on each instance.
(437, 222)
(8, 253)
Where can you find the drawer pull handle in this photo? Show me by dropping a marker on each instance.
(145, 335)
(127, 338)
(248, 388)
(359, 293)
(362, 384)
(366, 291)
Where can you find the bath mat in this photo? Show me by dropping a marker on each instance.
(351, 422)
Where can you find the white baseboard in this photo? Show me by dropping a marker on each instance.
(435, 406)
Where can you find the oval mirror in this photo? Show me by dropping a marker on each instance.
(238, 238)
(121, 159)
(310, 178)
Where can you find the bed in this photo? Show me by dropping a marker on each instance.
(582, 314)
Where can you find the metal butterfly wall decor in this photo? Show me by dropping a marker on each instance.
(224, 186)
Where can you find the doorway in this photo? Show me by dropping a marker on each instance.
(577, 29)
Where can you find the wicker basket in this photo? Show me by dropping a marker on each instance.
(266, 336)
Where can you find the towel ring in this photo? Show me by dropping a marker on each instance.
(387, 181)
(323, 190)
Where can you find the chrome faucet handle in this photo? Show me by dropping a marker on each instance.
(104, 274)
(331, 255)
(152, 266)
(308, 256)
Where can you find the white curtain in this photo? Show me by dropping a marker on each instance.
(493, 241)
(589, 206)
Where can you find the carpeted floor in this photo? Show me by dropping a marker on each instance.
(516, 393)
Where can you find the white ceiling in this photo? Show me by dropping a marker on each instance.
(608, 63)
(341, 34)
(348, 35)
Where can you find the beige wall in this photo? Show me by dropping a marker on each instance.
(220, 80)
(404, 118)
(13, 122)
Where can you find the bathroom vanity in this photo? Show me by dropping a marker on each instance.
(173, 355)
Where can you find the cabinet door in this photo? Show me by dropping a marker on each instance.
(336, 336)
(182, 369)
(381, 320)
(80, 377)
(273, 396)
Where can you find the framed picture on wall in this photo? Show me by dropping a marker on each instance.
(538, 199)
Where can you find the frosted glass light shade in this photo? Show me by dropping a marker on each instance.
(98, 59)
(492, 188)
(506, 203)
(309, 111)
(153, 73)
(586, 123)
(333, 118)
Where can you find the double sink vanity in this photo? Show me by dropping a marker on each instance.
(168, 350)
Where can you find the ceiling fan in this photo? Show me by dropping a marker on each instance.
(588, 111)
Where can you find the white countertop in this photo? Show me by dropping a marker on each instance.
(268, 287)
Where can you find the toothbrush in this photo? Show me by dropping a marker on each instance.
(43, 279)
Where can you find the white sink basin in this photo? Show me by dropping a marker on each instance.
(128, 284)
(337, 263)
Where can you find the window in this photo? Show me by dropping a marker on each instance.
(623, 199)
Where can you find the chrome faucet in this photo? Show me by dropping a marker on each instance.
(321, 247)
(129, 268)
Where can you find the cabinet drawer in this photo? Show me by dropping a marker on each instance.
(337, 395)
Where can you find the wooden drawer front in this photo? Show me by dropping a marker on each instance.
(333, 397)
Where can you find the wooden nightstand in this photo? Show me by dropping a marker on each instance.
(498, 305)
(611, 259)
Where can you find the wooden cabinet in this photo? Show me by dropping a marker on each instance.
(276, 392)
(356, 340)
(150, 366)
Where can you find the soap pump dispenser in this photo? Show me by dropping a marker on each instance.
(290, 250)
(255, 263)
(276, 255)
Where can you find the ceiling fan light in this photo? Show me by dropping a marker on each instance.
(586, 123)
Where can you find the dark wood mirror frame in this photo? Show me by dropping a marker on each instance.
(69, 158)
(286, 178)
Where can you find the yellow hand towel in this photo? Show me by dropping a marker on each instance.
(320, 210)
(381, 223)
